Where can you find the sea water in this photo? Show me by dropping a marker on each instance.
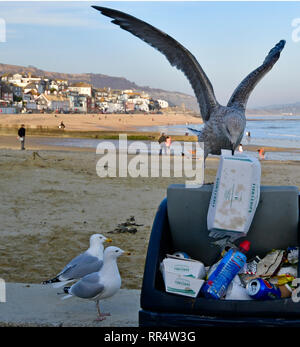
(272, 131)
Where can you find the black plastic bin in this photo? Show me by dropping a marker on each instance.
(189, 206)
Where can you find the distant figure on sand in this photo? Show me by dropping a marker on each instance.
(261, 153)
(168, 143)
(61, 126)
(21, 134)
(248, 134)
(162, 143)
(240, 148)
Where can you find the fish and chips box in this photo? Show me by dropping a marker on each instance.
(185, 267)
(235, 195)
(182, 285)
(182, 276)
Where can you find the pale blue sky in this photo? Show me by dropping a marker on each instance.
(229, 39)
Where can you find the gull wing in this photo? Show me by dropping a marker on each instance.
(240, 96)
(88, 287)
(176, 54)
(80, 266)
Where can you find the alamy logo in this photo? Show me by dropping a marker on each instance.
(141, 159)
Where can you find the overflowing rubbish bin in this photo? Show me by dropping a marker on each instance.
(224, 253)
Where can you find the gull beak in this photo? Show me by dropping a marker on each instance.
(108, 240)
(127, 253)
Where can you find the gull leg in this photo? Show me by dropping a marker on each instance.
(101, 316)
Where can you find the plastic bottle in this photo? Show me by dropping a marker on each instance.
(216, 285)
(214, 266)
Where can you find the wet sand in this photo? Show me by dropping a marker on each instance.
(53, 200)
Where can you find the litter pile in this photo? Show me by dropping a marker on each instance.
(126, 227)
(234, 200)
(233, 278)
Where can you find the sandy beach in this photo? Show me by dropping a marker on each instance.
(53, 200)
(96, 122)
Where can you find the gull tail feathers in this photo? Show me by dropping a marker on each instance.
(66, 291)
(66, 297)
(52, 280)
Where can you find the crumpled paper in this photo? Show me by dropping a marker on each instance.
(270, 263)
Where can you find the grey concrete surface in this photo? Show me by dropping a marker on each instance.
(39, 305)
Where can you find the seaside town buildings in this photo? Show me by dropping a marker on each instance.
(26, 93)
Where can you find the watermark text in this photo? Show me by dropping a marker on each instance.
(2, 290)
(151, 159)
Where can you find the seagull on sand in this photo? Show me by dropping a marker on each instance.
(223, 125)
(85, 263)
(102, 284)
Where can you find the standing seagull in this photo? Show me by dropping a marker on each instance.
(224, 125)
(102, 284)
(85, 263)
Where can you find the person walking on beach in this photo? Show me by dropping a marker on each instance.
(21, 134)
(162, 143)
(168, 143)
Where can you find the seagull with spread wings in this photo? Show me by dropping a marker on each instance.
(223, 125)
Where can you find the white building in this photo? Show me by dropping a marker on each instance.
(31, 105)
(163, 103)
(127, 91)
(123, 97)
(81, 88)
(140, 104)
(21, 80)
(103, 105)
(53, 102)
(114, 107)
(15, 79)
(143, 107)
(53, 85)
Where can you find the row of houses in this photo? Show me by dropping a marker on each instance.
(38, 94)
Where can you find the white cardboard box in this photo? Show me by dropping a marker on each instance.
(235, 194)
(182, 276)
(185, 267)
(182, 285)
